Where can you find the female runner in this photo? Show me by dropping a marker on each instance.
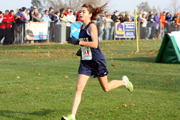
(92, 60)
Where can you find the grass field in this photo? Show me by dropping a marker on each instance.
(37, 82)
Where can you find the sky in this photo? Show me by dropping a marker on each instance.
(120, 5)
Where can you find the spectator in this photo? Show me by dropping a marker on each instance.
(177, 24)
(142, 24)
(155, 23)
(119, 16)
(140, 15)
(106, 14)
(67, 12)
(46, 16)
(100, 25)
(161, 24)
(37, 16)
(62, 10)
(78, 16)
(168, 19)
(145, 13)
(128, 18)
(10, 26)
(18, 30)
(63, 17)
(51, 15)
(25, 13)
(127, 13)
(31, 15)
(11, 15)
(71, 17)
(179, 21)
(74, 13)
(51, 29)
(122, 18)
(56, 17)
(7, 28)
(1, 16)
(107, 26)
(22, 17)
(143, 28)
(164, 13)
(2, 26)
(47, 19)
(115, 19)
(173, 21)
(150, 24)
(36, 13)
(114, 16)
(19, 20)
(157, 26)
(28, 16)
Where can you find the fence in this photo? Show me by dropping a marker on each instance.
(19, 33)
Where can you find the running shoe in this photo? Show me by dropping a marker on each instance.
(69, 117)
(129, 85)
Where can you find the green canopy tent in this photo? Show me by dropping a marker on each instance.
(169, 51)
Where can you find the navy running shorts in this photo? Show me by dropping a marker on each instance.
(90, 68)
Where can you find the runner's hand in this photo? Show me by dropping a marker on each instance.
(73, 40)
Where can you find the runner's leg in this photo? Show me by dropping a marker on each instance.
(81, 82)
(107, 86)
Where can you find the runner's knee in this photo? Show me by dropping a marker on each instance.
(79, 88)
(105, 89)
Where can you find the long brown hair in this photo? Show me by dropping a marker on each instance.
(94, 11)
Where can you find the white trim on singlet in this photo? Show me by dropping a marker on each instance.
(88, 32)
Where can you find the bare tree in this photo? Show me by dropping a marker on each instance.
(144, 6)
(75, 5)
(37, 4)
(159, 10)
(173, 7)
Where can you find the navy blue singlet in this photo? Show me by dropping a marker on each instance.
(94, 65)
(96, 52)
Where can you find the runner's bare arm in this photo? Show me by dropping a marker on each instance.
(94, 36)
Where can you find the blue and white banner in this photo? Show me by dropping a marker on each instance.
(36, 31)
(125, 30)
(75, 29)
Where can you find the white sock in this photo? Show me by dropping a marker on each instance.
(73, 116)
(125, 82)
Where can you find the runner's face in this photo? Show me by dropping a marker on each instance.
(85, 14)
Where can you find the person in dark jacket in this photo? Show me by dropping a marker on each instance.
(155, 24)
(51, 15)
(31, 14)
(22, 17)
(122, 18)
(150, 24)
(18, 29)
(56, 17)
(115, 19)
(114, 16)
(168, 24)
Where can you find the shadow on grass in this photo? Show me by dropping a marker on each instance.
(11, 114)
(42, 112)
(137, 59)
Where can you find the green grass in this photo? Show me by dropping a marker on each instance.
(33, 85)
